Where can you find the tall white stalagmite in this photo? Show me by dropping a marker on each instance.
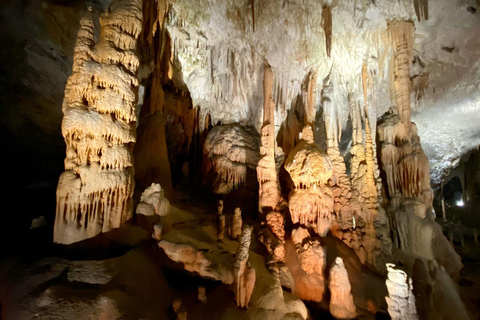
(94, 193)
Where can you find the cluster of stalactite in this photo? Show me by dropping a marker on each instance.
(151, 154)
(94, 194)
(229, 152)
(311, 199)
(406, 166)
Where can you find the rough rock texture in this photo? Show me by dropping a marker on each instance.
(311, 201)
(341, 299)
(268, 189)
(407, 168)
(94, 193)
(436, 295)
(236, 227)
(54, 288)
(244, 275)
(268, 300)
(400, 300)
(153, 202)
(205, 264)
(273, 236)
(305, 259)
(152, 163)
(229, 152)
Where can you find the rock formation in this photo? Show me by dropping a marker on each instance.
(406, 166)
(268, 195)
(341, 299)
(94, 194)
(230, 151)
(153, 202)
(236, 227)
(244, 275)
(203, 262)
(400, 300)
(310, 168)
(220, 221)
(305, 259)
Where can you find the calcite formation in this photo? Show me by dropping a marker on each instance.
(244, 275)
(153, 202)
(229, 152)
(273, 236)
(203, 262)
(341, 299)
(400, 300)
(236, 227)
(305, 258)
(220, 221)
(406, 166)
(268, 193)
(94, 194)
(310, 168)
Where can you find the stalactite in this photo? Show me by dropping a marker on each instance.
(253, 15)
(401, 33)
(310, 111)
(327, 27)
(151, 154)
(94, 193)
(370, 193)
(229, 151)
(421, 9)
(266, 170)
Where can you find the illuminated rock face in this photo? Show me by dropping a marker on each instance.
(94, 194)
(305, 258)
(400, 300)
(341, 299)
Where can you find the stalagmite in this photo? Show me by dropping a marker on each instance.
(236, 227)
(244, 275)
(274, 236)
(153, 202)
(400, 300)
(268, 197)
(341, 299)
(202, 294)
(310, 168)
(94, 194)
(220, 221)
(306, 261)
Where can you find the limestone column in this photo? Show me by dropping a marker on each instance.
(94, 193)
(266, 170)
